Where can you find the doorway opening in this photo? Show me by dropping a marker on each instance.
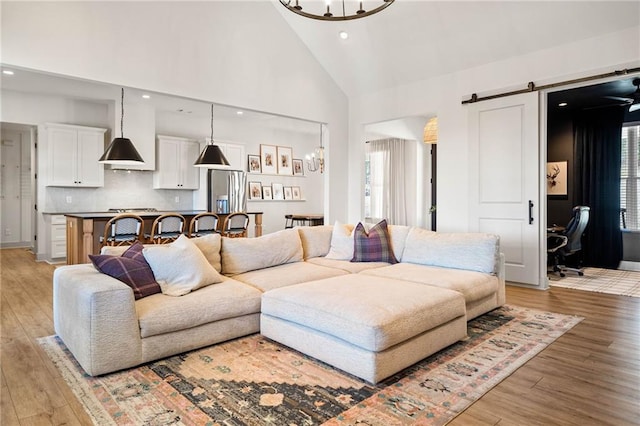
(397, 172)
(17, 185)
(563, 109)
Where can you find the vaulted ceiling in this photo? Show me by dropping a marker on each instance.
(413, 40)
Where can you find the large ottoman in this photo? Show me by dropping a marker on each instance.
(371, 327)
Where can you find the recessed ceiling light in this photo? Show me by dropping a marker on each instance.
(563, 104)
(239, 112)
(343, 35)
(145, 96)
(7, 72)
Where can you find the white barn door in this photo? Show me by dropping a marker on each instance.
(504, 161)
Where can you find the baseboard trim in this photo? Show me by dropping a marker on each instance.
(626, 265)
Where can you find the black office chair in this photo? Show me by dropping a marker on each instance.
(568, 242)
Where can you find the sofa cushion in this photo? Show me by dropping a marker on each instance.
(131, 268)
(398, 235)
(210, 246)
(341, 242)
(247, 254)
(286, 275)
(374, 313)
(114, 250)
(472, 251)
(473, 285)
(180, 267)
(316, 240)
(346, 265)
(373, 245)
(161, 314)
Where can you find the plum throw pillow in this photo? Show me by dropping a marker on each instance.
(131, 268)
(180, 267)
(372, 246)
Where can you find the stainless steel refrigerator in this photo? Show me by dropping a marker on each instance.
(226, 191)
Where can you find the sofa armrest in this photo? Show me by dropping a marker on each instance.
(95, 316)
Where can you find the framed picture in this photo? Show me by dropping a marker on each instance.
(288, 193)
(278, 191)
(268, 159)
(255, 191)
(557, 178)
(298, 167)
(296, 193)
(254, 164)
(266, 193)
(285, 166)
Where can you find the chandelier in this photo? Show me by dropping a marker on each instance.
(315, 161)
(338, 10)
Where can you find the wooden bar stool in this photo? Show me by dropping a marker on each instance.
(235, 225)
(203, 224)
(122, 230)
(166, 228)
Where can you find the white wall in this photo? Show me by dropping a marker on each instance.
(442, 96)
(234, 53)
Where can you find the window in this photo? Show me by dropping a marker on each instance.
(630, 177)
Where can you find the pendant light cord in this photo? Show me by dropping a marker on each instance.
(122, 114)
(211, 124)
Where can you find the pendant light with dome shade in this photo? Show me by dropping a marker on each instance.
(121, 150)
(211, 156)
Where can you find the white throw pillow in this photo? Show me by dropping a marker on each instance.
(180, 267)
(341, 242)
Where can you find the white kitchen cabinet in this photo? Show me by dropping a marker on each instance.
(175, 158)
(73, 153)
(234, 153)
(58, 237)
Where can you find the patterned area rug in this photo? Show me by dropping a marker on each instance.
(254, 381)
(612, 281)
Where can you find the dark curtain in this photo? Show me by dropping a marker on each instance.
(597, 148)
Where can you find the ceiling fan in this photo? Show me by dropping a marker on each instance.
(632, 99)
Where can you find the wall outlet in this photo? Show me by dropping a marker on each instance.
(7, 232)
(177, 199)
(69, 199)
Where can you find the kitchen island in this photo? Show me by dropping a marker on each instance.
(85, 229)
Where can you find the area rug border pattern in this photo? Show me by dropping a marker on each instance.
(396, 396)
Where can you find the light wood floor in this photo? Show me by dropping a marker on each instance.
(589, 376)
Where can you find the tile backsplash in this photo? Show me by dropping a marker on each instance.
(122, 189)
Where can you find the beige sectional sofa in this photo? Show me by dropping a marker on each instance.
(370, 319)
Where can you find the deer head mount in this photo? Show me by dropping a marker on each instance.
(551, 177)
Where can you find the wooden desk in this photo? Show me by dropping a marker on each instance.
(303, 220)
(85, 229)
(555, 229)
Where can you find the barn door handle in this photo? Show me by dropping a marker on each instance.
(530, 212)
